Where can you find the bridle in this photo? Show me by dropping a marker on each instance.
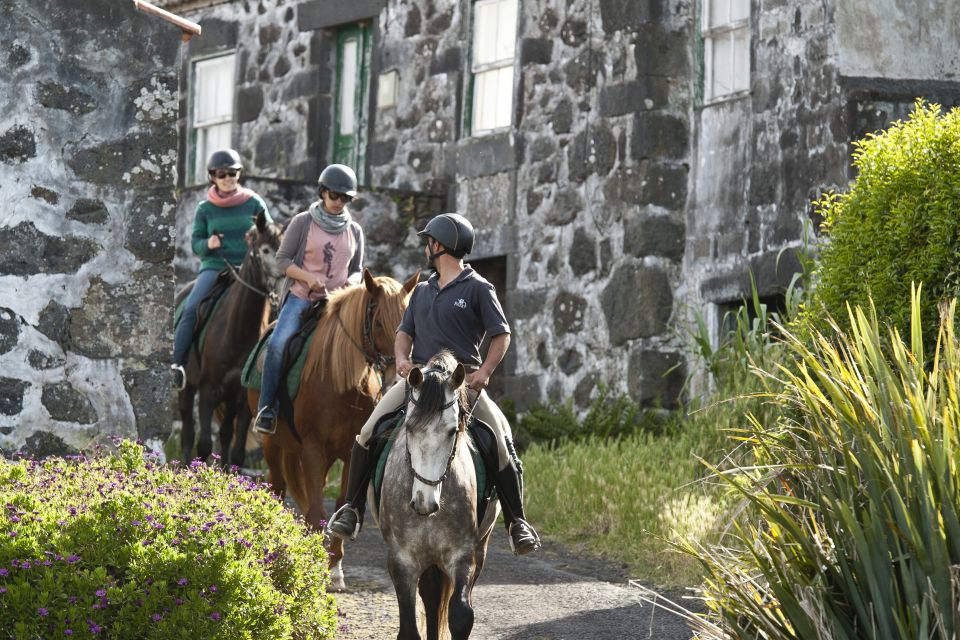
(453, 449)
(374, 357)
(254, 258)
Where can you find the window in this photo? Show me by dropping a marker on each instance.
(726, 48)
(494, 47)
(353, 77)
(213, 83)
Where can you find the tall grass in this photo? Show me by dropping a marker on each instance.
(853, 529)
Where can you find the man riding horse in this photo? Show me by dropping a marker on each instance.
(453, 310)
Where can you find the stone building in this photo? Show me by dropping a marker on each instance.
(88, 126)
(628, 162)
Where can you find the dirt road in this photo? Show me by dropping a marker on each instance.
(550, 595)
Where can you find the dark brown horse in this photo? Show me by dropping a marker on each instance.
(349, 359)
(232, 332)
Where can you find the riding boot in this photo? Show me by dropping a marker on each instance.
(509, 484)
(348, 519)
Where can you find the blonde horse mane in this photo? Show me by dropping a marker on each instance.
(335, 352)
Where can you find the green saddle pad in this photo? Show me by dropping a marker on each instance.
(252, 374)
(199, 339)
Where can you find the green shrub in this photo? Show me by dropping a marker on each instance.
(117, 546)
(854, 495)
(897, 224)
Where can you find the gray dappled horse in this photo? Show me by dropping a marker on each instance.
(233, 330)
(428, 506)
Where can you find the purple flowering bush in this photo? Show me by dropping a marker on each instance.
(118, 546)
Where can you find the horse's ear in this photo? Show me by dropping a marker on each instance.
(459, 375)
(260, 220)
(370, 282)
(412, 282)
(415, 377)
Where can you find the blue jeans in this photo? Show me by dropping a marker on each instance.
(183, 334)
(288, 323)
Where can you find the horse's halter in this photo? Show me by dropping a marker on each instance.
(453, 449)
(255, 259)
(374, 357)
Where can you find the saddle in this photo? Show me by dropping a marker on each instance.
(483, 448)
(294, 359)
(204, 310)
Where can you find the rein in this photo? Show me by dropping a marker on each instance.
(374, 357)
(236, 276)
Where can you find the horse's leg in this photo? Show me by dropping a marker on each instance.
(238, 452)
(431, 592)
(273, 455)
(208, 404)
(316, 464)
(185, 401)
(460, 608)
(226, 431)
(405, 584)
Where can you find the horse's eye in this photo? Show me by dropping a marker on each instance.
(453, 432)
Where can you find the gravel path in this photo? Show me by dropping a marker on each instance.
(554, 594)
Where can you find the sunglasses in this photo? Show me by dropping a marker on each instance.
(220, 174)
(342, 197)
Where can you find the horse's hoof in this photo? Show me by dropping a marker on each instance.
(336, 580)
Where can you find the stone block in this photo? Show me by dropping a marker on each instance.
(570, 361)
(148, 390)
(486, 155)
(150, 229)
(586, 389)
(382, 152)
(535, 51)
(659, 136)
(583, 253)
(665, 186)
(47, 195)
(660, 52)
(655, 378)
(580, 73)
(524, 391)
(269, 34)
(568, 313)
(124, 159)
(567, 205)
(562, 118)
(653, 236)
(593, 151)
(421, 161)
(17, 145)
(54, 322)
(574, 32)
(303, 84)
(439, 24)
(275, 147)
(54, 95)
(66, 404)
(218, 35)
(449, 61)
(637, 303)
(43, 361)
(11, 396)
(323, 14)
(643, 94)
(281, 67)
(249, 103)
(9, 329)
(88, 211)
(18, 55)
(413, 23)
(629, 14)
(28, 251)
(43, 444)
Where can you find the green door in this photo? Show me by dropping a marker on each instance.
(353, 80)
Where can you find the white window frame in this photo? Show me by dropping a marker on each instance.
(732, 33)
(212, 124)
(493, 65)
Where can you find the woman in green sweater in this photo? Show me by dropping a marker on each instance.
(219, 227)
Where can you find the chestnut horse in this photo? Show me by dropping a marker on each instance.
(349, 359)
(232, 332)
(428, 505)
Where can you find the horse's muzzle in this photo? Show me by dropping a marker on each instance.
(424, 506)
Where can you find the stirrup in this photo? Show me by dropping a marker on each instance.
(342, 534)
(527, 547)
(264, 424)
(179, 377)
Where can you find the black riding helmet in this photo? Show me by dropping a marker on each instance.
(339, 178)
(224, 159)
(451, 230)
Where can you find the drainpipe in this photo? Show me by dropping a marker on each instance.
(189, 28)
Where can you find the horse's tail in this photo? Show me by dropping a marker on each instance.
(435, 591)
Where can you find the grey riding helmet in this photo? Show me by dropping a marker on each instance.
(339, 178)
(224, 159)
(451, 230)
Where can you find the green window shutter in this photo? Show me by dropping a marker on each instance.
(350, 106)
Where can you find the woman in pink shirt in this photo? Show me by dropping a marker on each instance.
(322, 250)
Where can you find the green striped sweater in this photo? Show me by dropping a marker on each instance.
(232, 222)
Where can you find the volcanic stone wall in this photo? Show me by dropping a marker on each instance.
(88, 112)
